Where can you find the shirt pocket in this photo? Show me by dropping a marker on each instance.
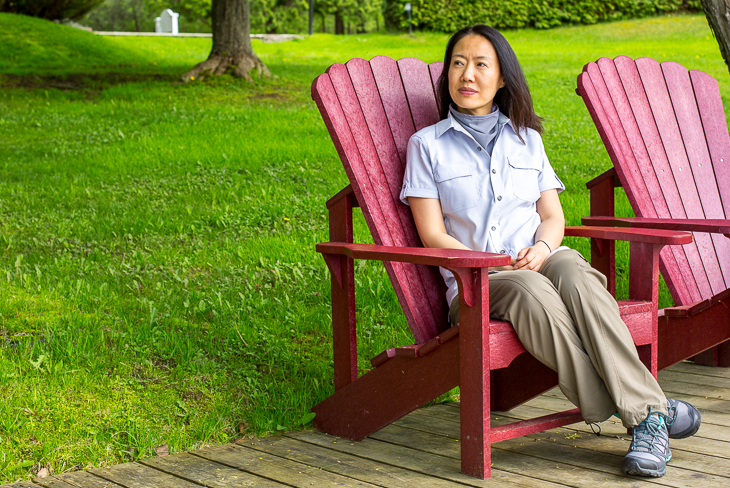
(457, 186)
(525, 174)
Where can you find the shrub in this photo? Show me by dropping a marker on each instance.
(451, 15)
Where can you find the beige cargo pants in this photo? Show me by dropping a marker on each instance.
(566, 318)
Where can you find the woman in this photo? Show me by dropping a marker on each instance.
(479, 179)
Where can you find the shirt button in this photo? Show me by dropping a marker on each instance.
(479, 148)
(502, 251)
(499, 198)
(494, 171)
(494, 228)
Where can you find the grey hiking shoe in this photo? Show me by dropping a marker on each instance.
(683, 419)
(649, 451)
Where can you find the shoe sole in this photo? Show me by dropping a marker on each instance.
(635, 469)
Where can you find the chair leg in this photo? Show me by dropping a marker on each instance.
(474, 378)
(706, 358)
(723, 355)
(717, 356)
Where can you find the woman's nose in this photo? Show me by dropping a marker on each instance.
(468, 73)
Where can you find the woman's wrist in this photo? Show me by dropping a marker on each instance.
(546, 244)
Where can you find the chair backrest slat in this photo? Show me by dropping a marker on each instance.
(646, 143)
(435, 70)
(661, 104)
(372, 126)
(709, 102)
(393, 96)
(714, 124)
(698, 154)
(377, 197)
(655, 126)
(419, 92)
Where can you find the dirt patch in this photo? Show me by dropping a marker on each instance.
(94, 82)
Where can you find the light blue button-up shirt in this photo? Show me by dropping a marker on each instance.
(488, 203)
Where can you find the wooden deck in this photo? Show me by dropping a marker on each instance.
(422, 450)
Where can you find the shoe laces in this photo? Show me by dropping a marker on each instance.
(651, 435)
(671, 412)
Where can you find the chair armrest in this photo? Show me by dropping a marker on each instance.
(611, 173)
(715, 226)
(646, 236)
(417, 255)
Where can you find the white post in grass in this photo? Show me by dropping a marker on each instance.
(408, 9)
(168, 21)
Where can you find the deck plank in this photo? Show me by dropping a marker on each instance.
(714, 424)
(702, 402)
(708, 416)
(508, 458)
(208, 473)
(276, 468)
(416, 460)
(358, 468)
(709, 392)
(605, 453)
(76, 479)
(695, 379)
(135, 475)
(684, 457)
(53, 482)
(698, 454)
(423, 449)
(685, 367)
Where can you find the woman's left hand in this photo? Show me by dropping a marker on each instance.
(531, 257)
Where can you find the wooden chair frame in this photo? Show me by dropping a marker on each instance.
(665, 131)
(481, 355)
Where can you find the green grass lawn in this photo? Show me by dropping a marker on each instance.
(158, 279)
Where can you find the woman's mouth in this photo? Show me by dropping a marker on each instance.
(467, 91)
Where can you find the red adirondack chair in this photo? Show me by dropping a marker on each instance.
(665, 130)
(371, 109)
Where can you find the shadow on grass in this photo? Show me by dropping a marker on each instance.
(80, 81)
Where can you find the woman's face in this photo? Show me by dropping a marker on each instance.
(474, 75)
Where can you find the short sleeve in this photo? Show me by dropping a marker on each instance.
(418, 178)
(548, 180)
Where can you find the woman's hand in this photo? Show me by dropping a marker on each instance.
(531, 257)
(548, 235)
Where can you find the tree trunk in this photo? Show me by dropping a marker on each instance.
(231, 43)
(339, 23)
(718, 16)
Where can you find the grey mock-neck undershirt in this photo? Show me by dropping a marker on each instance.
(483, 128)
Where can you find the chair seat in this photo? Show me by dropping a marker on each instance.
(505, 346)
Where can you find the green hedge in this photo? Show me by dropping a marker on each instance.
(452, 15)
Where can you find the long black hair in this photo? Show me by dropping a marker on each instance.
(513, 99)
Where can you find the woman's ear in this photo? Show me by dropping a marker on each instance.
(501, 81)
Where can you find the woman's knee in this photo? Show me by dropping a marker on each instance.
(568, 270)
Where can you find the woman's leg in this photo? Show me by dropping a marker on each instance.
(532, 304)
(604, 336)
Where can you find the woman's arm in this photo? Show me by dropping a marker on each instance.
(430, 224)
(550, 231)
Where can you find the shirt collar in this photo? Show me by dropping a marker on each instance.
(450, 123)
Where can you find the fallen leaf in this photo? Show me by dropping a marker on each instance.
(42, 473)
(162, 450)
